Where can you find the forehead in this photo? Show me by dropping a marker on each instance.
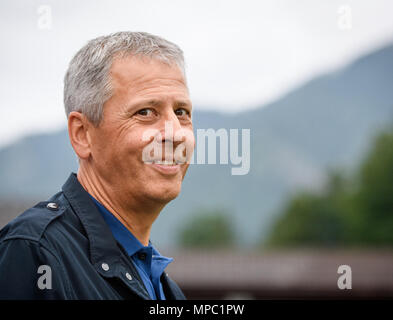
(145, 75)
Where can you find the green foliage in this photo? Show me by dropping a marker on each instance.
(207, 229)
(354, 212)
(312, 219)
(375, 196)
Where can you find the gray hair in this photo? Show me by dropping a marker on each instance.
(87, 84)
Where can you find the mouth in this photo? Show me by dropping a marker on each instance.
(166, 167)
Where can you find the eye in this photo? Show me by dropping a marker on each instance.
(182, 112)
(145, 112)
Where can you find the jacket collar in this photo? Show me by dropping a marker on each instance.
(103, 248)
(102, 245)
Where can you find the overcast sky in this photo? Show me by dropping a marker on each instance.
(239, 54)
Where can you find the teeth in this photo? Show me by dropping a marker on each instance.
(165, 163)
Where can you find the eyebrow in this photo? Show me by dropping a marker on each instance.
(157, 103)
(183, 104)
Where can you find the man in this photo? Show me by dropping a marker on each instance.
(129, 123)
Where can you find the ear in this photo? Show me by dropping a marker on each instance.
(78, 131)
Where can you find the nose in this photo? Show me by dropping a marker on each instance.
(169, 125)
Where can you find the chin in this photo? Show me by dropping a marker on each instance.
(162, 192)
(166, 194)
(170, 196)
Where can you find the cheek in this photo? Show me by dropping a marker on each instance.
(186, 147)
(102, 146)
(134, 145)
(190, 146)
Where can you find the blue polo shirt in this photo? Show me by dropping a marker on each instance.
(147, 260)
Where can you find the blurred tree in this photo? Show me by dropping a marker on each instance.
(312, 219)
(375, 196)
(354, 212)
(207, 229)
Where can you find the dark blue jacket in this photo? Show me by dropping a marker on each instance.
(68, 234)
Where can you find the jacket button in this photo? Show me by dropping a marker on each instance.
(128, 276)
(105, 266)
(52, 206)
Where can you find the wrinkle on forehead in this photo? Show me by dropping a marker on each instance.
(131, 71)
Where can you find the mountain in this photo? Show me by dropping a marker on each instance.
(327, 122)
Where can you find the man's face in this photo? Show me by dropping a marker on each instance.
(147, 94)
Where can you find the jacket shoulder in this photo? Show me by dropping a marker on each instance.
(32, 223)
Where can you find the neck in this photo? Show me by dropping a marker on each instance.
(136, 215)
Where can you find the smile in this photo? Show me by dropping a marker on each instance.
(168, 168)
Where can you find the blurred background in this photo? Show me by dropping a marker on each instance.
(312, 80)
